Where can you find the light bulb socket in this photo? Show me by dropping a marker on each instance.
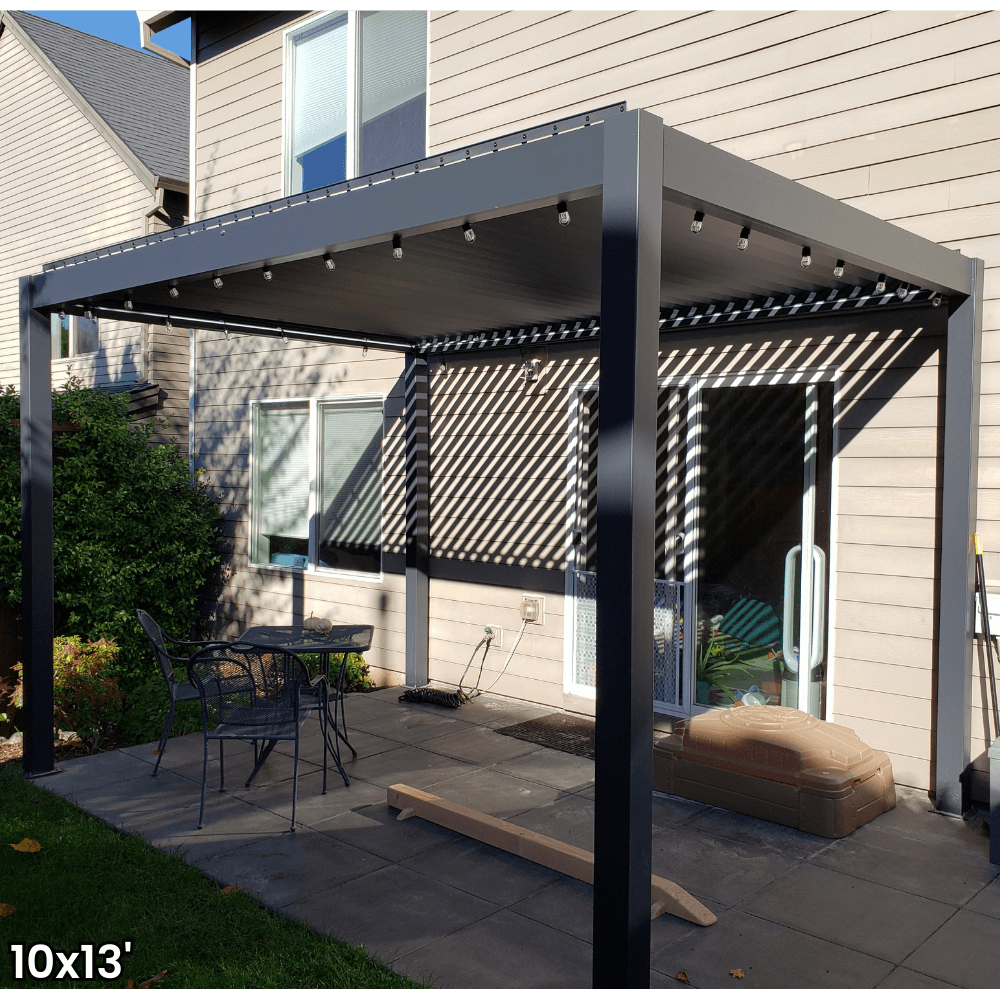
(217, 281)
(329, 262)
(174, 293)
(267, 272)
(397, 247)
(744, 241)
(699, 218)
(903, 290)
(128, 303)
(838, 271)
(806, 256)
(468, 232)
(563, 213)
(880, 285)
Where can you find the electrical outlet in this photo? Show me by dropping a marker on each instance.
(497, 633)
(533, 609)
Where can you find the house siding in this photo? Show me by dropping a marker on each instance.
(893, 112)
(63, 190)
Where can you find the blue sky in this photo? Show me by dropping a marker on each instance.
(120, 26)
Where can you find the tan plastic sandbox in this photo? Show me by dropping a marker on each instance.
(777, 764)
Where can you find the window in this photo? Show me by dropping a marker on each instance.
(356, 91)
(317, 485)
(73, 335)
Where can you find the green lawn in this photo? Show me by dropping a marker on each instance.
(90, 884)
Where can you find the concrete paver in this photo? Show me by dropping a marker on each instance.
(963, 952)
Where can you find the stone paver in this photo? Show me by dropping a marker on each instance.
(909, 901)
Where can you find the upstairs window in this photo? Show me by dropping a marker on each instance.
(355, 95)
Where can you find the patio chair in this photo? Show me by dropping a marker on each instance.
(176, 689)
(258, 694)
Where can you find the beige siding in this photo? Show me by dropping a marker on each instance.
(229, 377)
(895, 112)
(887, 473)
(238, 159)
(63, 190)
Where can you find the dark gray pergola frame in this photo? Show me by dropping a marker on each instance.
(634, 162)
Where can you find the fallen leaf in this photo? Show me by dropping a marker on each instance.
(737, 973)
(231, 888)
(683, 977)
(158, 752)
(27, 846)
(6, 909)
(269, 941)
(149, 982)
(129, 984)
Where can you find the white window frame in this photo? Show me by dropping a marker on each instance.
(313, 405)
(353, 158)
(73, 353)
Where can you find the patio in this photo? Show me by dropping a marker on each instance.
(908, 901)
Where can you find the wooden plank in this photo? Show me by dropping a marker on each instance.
(666, 896)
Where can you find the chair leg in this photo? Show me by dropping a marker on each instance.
(164, 736)
(295, 780)
(343, 722)
(204, 783)
(222, 770)
(322, 727)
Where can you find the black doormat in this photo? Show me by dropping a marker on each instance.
(557, 732)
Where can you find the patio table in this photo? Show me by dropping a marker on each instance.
(341, 639)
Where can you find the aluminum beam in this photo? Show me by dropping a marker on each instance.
(725, 186)
(36, 533)
(518, 179)
(630, 312)
(415, 383)
(957, 580)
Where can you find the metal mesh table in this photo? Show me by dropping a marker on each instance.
(342, 639)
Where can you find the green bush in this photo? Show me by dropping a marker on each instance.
(131, 529)
(86, 697)
(355, 679)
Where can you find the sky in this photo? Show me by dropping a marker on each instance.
(120, 26)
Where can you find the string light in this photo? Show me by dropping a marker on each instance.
(880, 285)
(699, 218)
(936, 301)
(563, 211)
(266, 271)
(217, 281)
(469, 232)
(744, 241)
(329, 262)
(170, 325)
(397, 247)
(174, 292)
(806, 256)
(128, 303)
(903, 290)
(838, 271)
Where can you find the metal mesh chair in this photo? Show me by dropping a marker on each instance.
(258, 694)
(178, 690)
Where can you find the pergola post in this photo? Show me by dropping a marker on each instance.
(630, 305)
(36, 533)
(417, 597)
(960, 485)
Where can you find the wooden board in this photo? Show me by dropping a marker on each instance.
(666, 896)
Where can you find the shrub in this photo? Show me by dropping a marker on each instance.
(355, 679)
(132, 528)
(86, 697)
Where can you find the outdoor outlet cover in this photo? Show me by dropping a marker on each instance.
(497, 642)
(532, 609)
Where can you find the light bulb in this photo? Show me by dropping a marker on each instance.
(903, 290)
(699, 217)
(174, 292)
(62, 313)
(170, 325)
(936, 301)
(880, 285)
(470, 233)
(217, 281)
(266, 271)
(329, 262)
(744, 241)
(397, 247)
(128, 303)
(563, 211)
(838, 271)
(806, 256)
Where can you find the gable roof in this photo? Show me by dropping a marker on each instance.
(138, 99)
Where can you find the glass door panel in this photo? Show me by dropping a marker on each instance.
(761, 500)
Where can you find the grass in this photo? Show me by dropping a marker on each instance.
(92, 884)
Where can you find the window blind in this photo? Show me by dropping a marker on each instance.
(282, 448)
(319, 94)
(351, 475)
(393, 60)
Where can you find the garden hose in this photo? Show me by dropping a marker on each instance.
(450, 699)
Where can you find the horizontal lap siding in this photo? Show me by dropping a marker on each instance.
(231, 374)
(63, 190)
(238, 159)
(894, 112)
(887, 467)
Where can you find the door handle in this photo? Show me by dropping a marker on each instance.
(818, 608)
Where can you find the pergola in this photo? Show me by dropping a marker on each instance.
(631, 186)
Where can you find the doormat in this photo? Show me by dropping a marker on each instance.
(557, 732)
